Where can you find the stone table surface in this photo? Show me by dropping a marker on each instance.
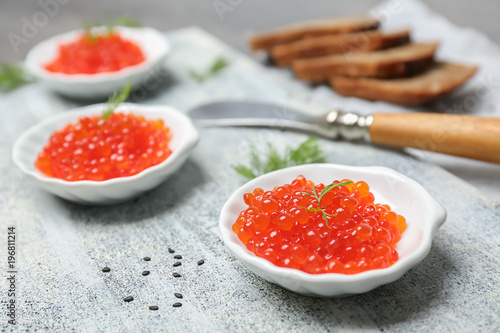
(62, 247)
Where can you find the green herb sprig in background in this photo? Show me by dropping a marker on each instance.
(123, 21)
(116, 99)
(307, 152)
(218, 65)
(13, 76)
(110, 25)
(320, 196)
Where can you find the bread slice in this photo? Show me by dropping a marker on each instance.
(364, 41)
(394, 62)
(266, 41)
(439, 79)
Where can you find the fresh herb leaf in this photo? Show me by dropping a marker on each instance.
(89, 34)
(218, 65)
(124, 21)
(325, 213)
(13, 76)
(88, 25)
(311, 209)
(116, 99)
(247, 172)
(307, 152)
(327, 189)
(275, 160)
(110, 25)
(197, 76)
(255, 163)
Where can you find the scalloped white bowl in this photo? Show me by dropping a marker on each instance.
(424, 216)
(153, 44)
(184, 138)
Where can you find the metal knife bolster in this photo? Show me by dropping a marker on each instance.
(350, 125)
(336, 124)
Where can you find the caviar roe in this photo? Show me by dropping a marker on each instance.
(96, 54)
(97, 149)
(360, 237)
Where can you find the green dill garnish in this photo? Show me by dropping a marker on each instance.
(87, 25)
(218, 65)
(124, 21)
(109, 26)
(13, 76)
(116, 99)
(320, 196)
(307, 152)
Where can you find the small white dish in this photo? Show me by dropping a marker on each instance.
(424, 216)
(184, 138)
(153, 44)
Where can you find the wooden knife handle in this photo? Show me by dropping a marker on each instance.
(460, 135)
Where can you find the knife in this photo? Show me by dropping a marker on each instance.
(460, 135)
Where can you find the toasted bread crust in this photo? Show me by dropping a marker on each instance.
(438, 80)
(266, 41)
(364, 41)
(399, 61)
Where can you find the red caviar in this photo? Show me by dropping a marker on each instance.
(354, 235)
(97, 149)
(96, 54)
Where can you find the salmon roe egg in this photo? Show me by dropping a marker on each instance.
(96, 54)
(345, 232)
(97, 149)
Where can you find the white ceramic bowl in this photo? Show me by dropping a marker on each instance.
(424, 216)
(153, 44)
(184, 138)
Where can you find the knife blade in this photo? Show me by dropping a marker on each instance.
(460, 135)
(260, 114)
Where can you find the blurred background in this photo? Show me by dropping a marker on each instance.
(24, 23)
(230, 20)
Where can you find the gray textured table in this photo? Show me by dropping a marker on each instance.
(62, 246)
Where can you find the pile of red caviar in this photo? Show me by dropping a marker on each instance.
(91, 54)
(360, 237)
(97, 149)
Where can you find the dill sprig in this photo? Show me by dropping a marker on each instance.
(307, 152)
(124, 21)
(13, 76)
(109, 26)
(116, 99)
(320, 196)
(218, 65)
